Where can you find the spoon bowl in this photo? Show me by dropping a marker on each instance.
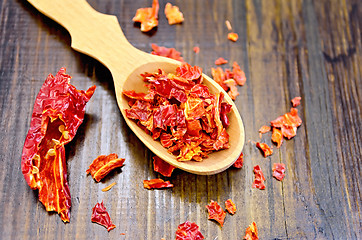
(100, 36)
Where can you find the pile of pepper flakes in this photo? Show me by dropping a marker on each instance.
(181, 112)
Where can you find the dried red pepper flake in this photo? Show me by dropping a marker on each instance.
(238, 74)
(264, 129)
(251, 233)
(239, 162)
(103, 165)
(58, 112)
(156, 184)
(216, 212)
(189, 121)
(259, 178)
(278, 171)
(173, 14)
(166, 52)
(196, 49)
(267, 151)
(233, 90)
(221, 61)
(296, 101)
(277, 137)
(162, 166)
(230, 206)
(101, 216)
(188, 231)
(288, 123)
(218, 75)
(148, 17)
(233, 36)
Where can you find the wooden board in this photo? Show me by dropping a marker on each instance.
(293, 48)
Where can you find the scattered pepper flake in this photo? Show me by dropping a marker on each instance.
(156, 184)
(188, 231)
(267, 151)
(233, 36)
(278, 171)
(103, 165)
(148, 17)
(277, 137)
(288, 123)
(239, 162)
(220, 61)
(173, 14)
(233, 90)
(216, 212)
(259, 178)
(228, 25)
(196, 49)
(251, 233)
(230, 206)
(108, 187)
(166, 52)
(101, 216)
(296, 101)
(162, 166)
(238, 74)
(264, 129)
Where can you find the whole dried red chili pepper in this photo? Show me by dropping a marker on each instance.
(251, 233)
(101, 216)
(230, 206)
(58, 112)
(103, 165)
(188, 231)
(216, 212)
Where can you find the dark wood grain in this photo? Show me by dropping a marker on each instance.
(293, 48)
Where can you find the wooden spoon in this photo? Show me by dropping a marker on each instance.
(100, 36)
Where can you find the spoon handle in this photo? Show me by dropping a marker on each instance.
(93, 33)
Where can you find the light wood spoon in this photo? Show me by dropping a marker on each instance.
(100, 36)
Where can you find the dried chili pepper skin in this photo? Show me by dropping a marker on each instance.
(103, 165)
(188, 231)
(230, 206)
(58, 112)
(216, 212)
(101, 216)
(251, 233)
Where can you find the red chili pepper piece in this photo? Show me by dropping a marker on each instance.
(239, 162)
(238, 74)
(233, 90)
(188, 231)
(277, 137)
(103, 165)
(251, 233)
(264, 129)
(173, 14)
(166, 52)
(220, 61)
(162, 166)
(278, 171)
(196, 49)
(233, 36)
(259, 178)
(216, 212)
(296, 101)
(189, 121)
(58, 112)
(230, 206)
(156, 184)
(148, 17)
(267, 151)
(288, 123)
(101, 216)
